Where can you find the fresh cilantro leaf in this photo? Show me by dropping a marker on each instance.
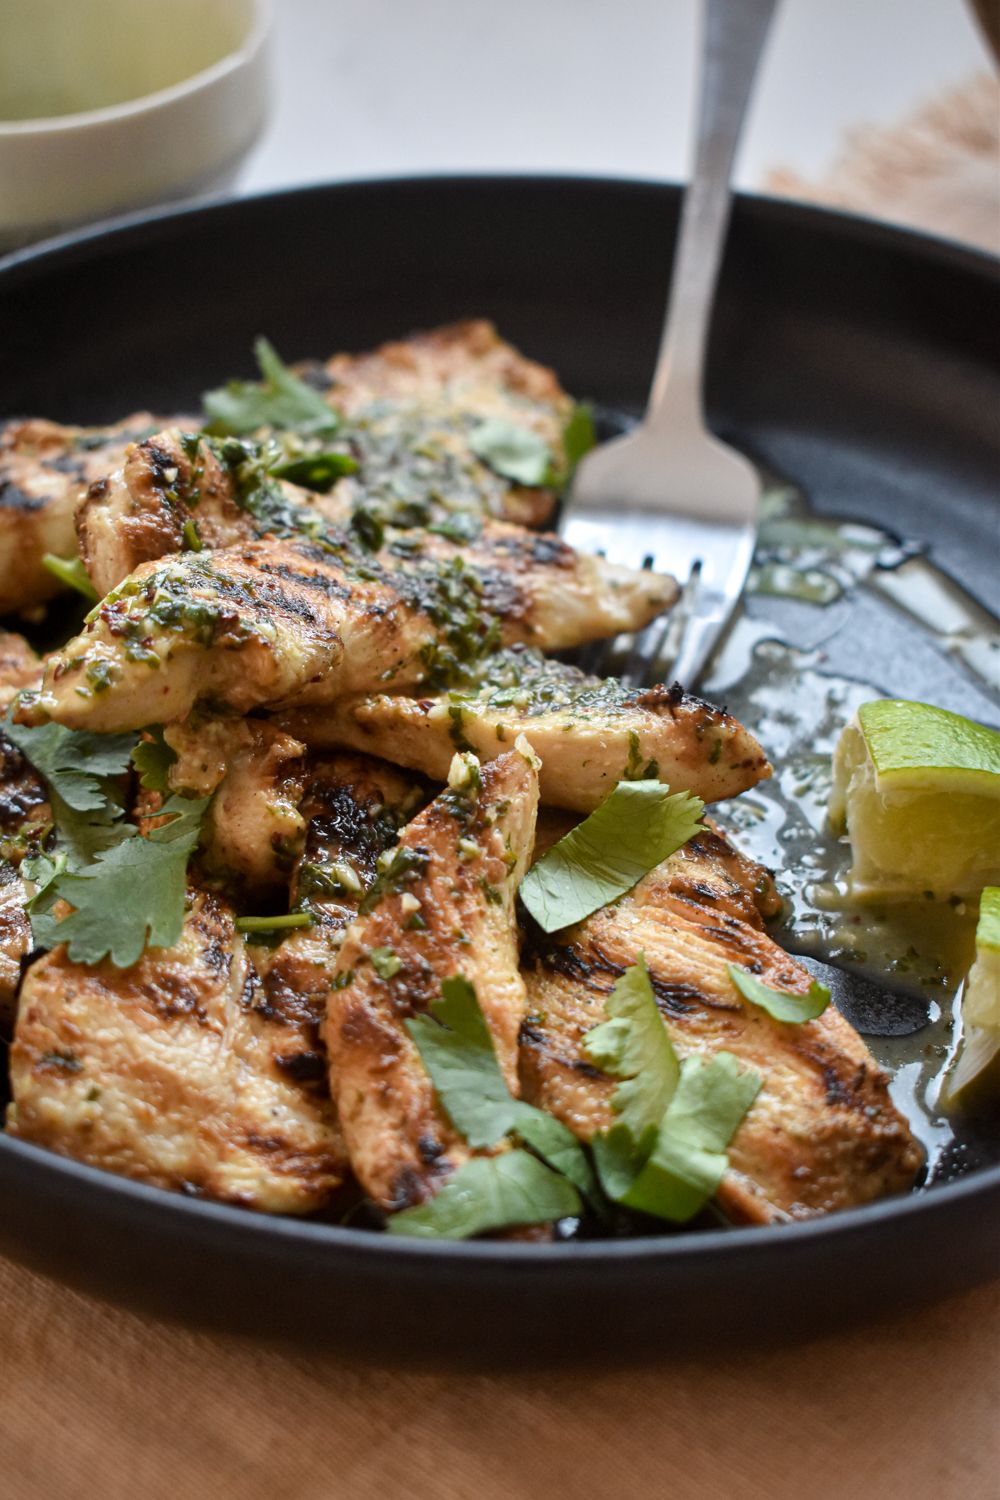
(71, 572)
(457, 1050)
(152, 758)
(490, 1192)
(73, 762)
(81, 836)
(634, 829)
(385, 962)
(688, 1159)
(634, 1045)
(315, 471)
(578, 435)
(280, 400)
(130, 895)
(783, 1005)
(665, 1155)
(514, 452)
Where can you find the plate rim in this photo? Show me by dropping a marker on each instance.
(831, 218)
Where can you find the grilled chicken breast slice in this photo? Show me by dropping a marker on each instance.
(283, 623)
(353, 808)
(252, 830)
(823, 1133)
(590, 732)
(180, 491)
(19, 667)
(444, 905)
(25, 819)
(176, 1072)
(412, 405)
(45, 470)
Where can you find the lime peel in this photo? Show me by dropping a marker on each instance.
(915, 745)
(918, 789)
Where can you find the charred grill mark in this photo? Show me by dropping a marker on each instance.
(172, 995)
(21, 790)
(304, 1067)
(286, 1000)
(324, 581)
(429, 1149)
(408, 1189)
(12, 497)
(570, 960)
(341, 821)
(163, 466)
(541, 1042)
(67, 463)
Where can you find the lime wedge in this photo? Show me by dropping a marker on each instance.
(918, 789)
(980, 1052)
(981, 1006)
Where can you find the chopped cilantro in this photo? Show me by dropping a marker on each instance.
(490, 1192)
(514, 452)
(75, 763)
(578, 434)
(280, 400)
(191, 537)
(385, 962)
(783, 1005)
(456, 1048)
(403, 867)
(152, 759)
(633, 1044)
(71, 572)
(666, 1154)
(130, 895)
(315, 471)
(634, 829)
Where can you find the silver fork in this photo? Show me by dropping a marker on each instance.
(669, 495)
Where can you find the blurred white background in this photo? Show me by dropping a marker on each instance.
(380, 87)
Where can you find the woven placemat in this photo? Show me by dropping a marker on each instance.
(939, 170)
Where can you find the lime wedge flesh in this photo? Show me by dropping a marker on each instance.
(919, 791)
(981, 1006)
(976, 1074)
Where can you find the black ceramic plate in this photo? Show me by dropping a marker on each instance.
(858, 360)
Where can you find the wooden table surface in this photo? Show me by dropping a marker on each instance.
(101, 1403)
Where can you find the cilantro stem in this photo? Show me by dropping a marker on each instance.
(274, 924)
(71, 572)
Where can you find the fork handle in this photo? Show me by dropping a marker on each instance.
(734, 34)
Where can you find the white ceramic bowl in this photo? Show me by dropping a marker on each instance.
(110, 105)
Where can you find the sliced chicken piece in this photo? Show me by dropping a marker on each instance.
(176, 1072)
(180, 491)
(353, 808)
(252, 832)
(15, 940)
(823, 1133)
(590, 732)
(19, 667)
(412, 405)
(443, 906)
(285, 623)
(25, 820)
(45, 470)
